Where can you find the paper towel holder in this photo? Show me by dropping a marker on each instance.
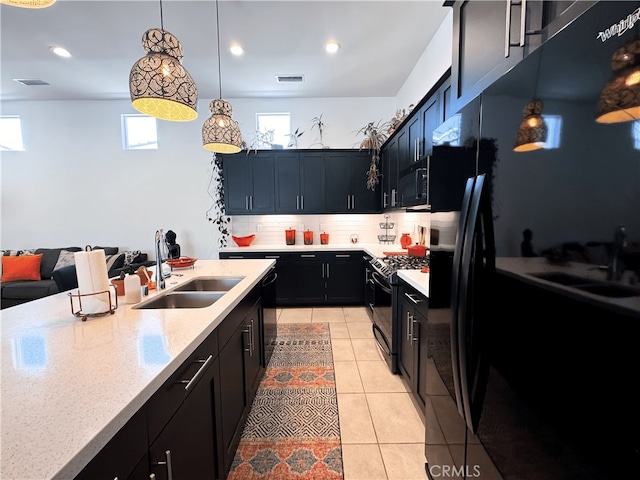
(76, 307)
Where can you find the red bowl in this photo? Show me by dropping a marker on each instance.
(243, 241)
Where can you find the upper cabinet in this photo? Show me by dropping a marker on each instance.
(491, 36)
(249, 183)
(299, 182)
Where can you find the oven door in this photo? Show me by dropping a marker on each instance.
(382, 319)
(369, 292)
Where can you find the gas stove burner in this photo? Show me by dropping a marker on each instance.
(406, 262)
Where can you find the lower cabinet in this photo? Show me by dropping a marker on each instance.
(190, 428)
(412, 314)
(315, 278)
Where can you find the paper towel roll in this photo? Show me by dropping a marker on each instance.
(91, 269)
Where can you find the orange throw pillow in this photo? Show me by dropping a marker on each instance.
(21, 267)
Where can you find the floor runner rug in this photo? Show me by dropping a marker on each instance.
(292, 431)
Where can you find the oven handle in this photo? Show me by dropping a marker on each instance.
(381, 283)
(385, 348)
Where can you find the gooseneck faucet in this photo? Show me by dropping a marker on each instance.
(614, 272)
(160, 283)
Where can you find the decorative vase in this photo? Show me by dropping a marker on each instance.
(405, 240)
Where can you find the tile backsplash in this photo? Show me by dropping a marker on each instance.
(269, 229)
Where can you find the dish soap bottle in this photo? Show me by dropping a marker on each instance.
(132, 292)
(405, 240)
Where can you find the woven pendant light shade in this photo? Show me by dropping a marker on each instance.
(620, 98)
(29, 3)
(159, 85)
(532, 133)
(220, 133)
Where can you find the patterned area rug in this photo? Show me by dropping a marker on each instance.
(292, 431)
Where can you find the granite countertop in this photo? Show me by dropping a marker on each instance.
(68, 386)
(523, 268)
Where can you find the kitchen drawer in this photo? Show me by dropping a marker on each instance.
(166, 401)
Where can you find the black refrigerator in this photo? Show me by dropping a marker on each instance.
(529, 378)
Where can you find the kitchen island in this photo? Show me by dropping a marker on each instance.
(69, 386)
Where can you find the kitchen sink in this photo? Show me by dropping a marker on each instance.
(176, 299)
(609, 290)
(604, 289)
(209, 284)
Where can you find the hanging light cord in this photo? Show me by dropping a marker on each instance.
(161, 19)
(218, 33)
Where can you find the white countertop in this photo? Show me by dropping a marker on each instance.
(375, 249)
(522, 268)
(68, 386)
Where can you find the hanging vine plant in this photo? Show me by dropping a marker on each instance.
(216, 212)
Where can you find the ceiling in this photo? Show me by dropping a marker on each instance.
(381, 41)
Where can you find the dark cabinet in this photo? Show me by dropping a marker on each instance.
(346, 183)
(410, 143)
(345, 278)
(186, 447)
(249, 182)
(118, 459)
(308, 271)
(412, 315)
(489, 38)
(240, 372)
(389, 157)
(300, 182)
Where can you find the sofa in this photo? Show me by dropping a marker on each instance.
(22, 281)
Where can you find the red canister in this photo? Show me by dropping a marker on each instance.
(324, 239)
(308, 237)
(405, 240)
(290, 236)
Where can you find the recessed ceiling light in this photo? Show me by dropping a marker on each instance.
(236, 49)
(61, 52)
(332, 47)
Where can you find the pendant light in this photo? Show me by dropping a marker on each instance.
(220, 133)
(532, 133)
(159, 85)
(29, 3)
(620, 98)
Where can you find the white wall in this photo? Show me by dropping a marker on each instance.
(74, 185)
(435, 60)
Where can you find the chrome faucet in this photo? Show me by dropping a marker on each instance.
(614, 272)
(160, 283)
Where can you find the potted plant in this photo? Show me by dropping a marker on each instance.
(319, 124)
(293, 138)
(374, 136)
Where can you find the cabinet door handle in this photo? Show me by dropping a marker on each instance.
(297, 202)
(353, 202)
(323, 271)
(272, 256)
(252, 342)
(393, 197)
(523, 21)
(507, 30)
(327, 270)
(203, 367)
(384, 200)
(411, 296)
(247, 331)
(427, 177)
(409, 333)
(343, 255)
(250, 202)
(236, 256)
(307, 256)
(301, 202)
(167, 462)
(413, 337)
(246, 202)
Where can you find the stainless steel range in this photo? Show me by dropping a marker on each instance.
(382, 299)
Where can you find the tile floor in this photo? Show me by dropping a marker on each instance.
(382, 430)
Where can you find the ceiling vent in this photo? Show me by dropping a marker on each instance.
(290, 78)
(29, 82)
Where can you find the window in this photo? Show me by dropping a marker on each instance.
(139, 132)
(554, 128)
(11, 133)
(278, 123)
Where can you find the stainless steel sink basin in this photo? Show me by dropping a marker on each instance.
(181, 300)
(609, 290)
(604, 289)
(209, 284)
